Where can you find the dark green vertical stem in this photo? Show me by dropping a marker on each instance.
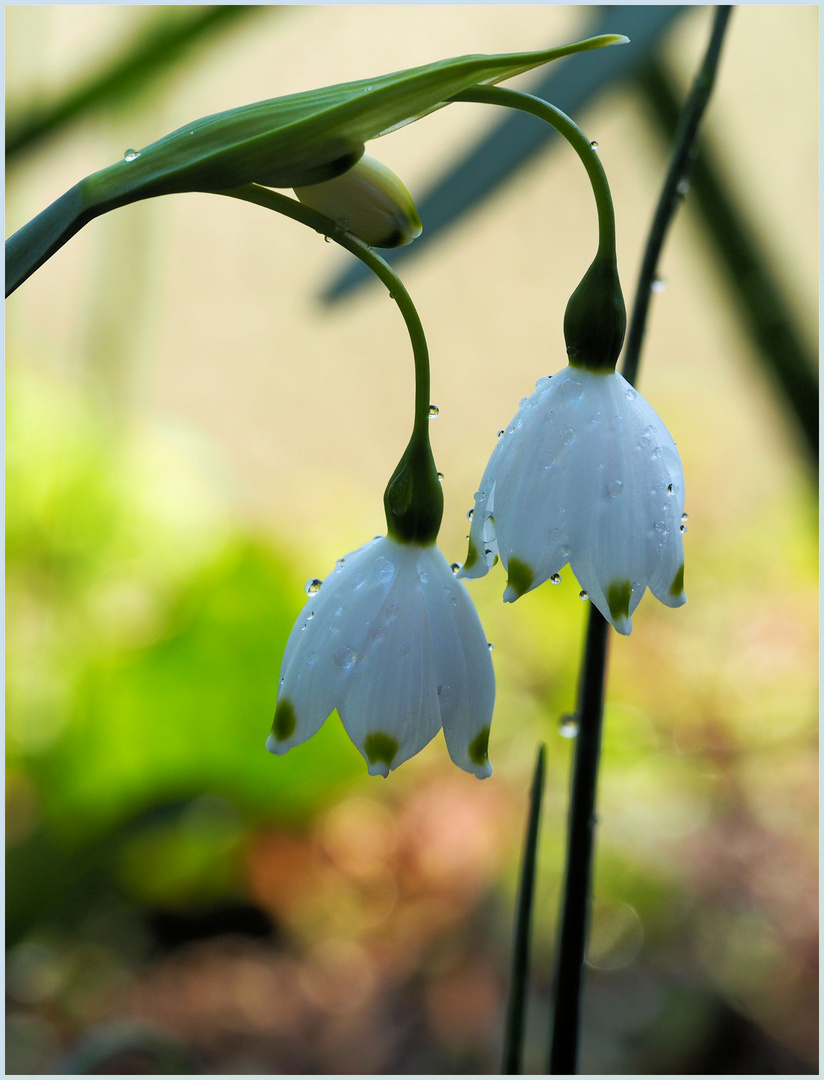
(572, 930)
(672, 194)
(577, 887)
(516, 1006)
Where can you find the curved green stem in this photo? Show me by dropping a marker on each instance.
(414, 498)
(595, 317)
(586, 151)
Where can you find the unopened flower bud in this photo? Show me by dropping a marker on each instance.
(370, 202)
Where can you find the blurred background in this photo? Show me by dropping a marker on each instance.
(192, 432)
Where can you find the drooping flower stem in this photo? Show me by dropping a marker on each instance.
(673, 190)
(595, 317)
(563, 1057)
(414, 497)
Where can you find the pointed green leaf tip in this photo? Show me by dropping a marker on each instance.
(618, 597)
(479, 747)
(285, 720)
(284, 142)
(380, 747)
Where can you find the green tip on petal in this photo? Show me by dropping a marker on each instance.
(519, 581)
(677, 587)
(285, 720)
(471, 556)
(618, 597)
(478, 749)
(380, 750)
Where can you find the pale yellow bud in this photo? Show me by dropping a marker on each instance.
(369, 201)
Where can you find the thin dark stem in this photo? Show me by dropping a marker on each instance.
(572, 930)
(516, 1006)
(577, 887)
(672, 193)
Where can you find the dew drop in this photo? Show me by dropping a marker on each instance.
(490, 646)
(328, 239)
(424, 576)
(478, 495)
(455, 567)
(669, 489)
(631, 394)
(311, 615)
(658, 284)
(683, 528)
(339, 565)
(583, 594)
(594, 144)
(568, 726)
(131, 155)
(392, 296)
(501, 433)
(524, 403)
(615, 487)
(572, 350)
(470, 514)
(433, 411)
(440, 477)
(685, 516)
(683, 186)
(344, 656)
(312, 586)
(385, 569)
(556, 579)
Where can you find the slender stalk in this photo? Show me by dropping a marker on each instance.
(574, 923)
(563, 1057)
(289, 207)
(516, 1006)
(673, 190)
(586, 151)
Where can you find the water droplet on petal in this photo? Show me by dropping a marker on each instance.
(583, 594)
(685, 516)
(656, 453)
(385, 569)
(328, 239)
(631, 394)
(683, 528)
(312, 586)
(572, 350)
(424, 576)
(594, 144)
(440, 477)
(501, 433)
(311, 615)
(339, 565)
(344, 656)
(658, 284)
(568, 726)
(131, 155)
(615, 487)
(683, 186)
(470, 514)
(556, 579)
(669, 489)
(490, 646)
(433, 411)
(455, 567)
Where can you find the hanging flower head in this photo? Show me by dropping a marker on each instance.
(393, 642)
(586, 474)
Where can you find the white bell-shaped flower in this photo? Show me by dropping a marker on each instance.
(393, 642)
(586, 474)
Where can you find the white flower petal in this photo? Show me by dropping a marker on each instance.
(463, 669)
(587, 474)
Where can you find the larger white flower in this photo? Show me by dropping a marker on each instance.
(392, 641)
(586, 474)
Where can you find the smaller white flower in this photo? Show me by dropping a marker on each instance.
(393, 642)
(586, 474)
